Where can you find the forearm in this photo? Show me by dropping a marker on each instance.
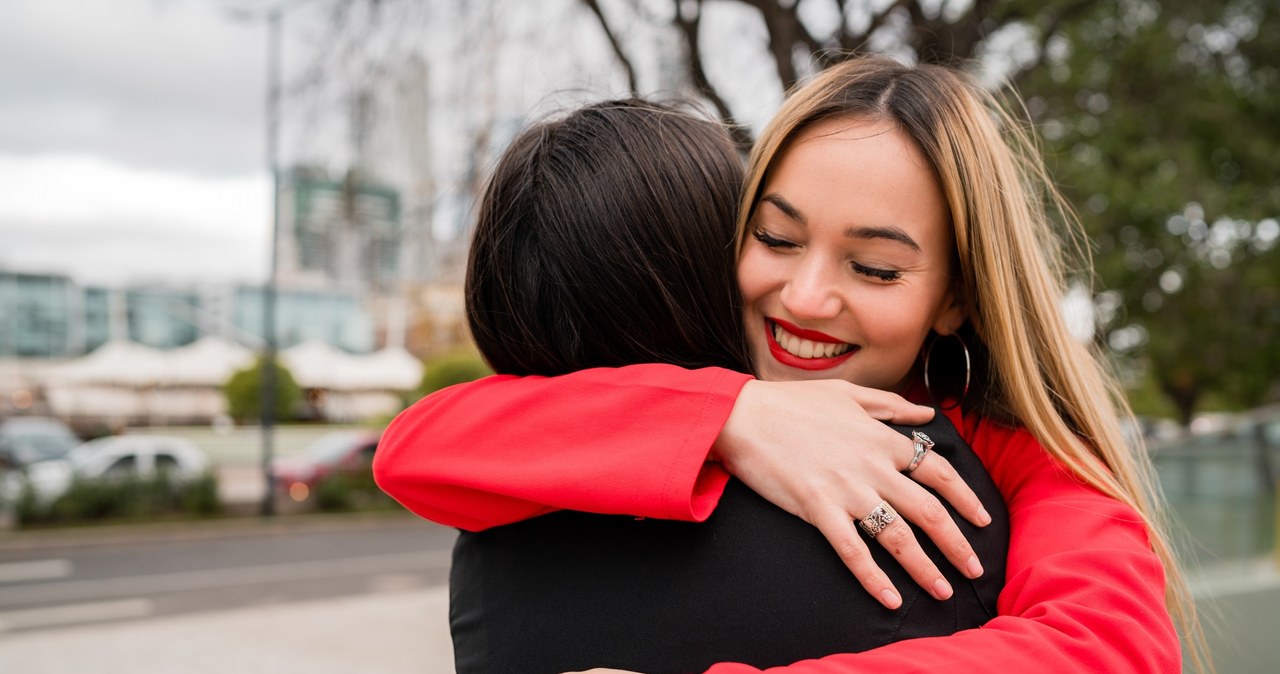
(631, 440)
(1100, 611)
(1083, 592)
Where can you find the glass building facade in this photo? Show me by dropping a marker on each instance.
(38, 316)
(50, 316)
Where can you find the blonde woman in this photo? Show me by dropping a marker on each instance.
(888, 211)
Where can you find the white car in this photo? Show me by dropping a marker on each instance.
(118, 457)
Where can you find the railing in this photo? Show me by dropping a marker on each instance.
(1222, 493)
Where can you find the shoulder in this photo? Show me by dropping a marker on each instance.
(1023, 468)
(1005, 449)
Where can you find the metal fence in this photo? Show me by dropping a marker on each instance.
(1222, 492)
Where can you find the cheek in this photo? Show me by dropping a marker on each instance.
(898, 320)
(753, 274)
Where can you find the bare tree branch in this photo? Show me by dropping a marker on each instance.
(878, 19)
(937, 40)
(688, 26)
(782, 26)
(1056, 19)
(847, 41)
(594, 6)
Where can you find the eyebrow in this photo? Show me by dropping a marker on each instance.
(881, 232)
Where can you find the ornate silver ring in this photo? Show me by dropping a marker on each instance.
(922, 445)
(882, 516)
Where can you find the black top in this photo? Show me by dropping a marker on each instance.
(753, 584)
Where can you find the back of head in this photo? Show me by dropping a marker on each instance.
(606, 239)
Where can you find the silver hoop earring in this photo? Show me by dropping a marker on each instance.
(929, 354)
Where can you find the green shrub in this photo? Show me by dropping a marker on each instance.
(87, 501)
(452, 369)
(243, 392)
(351, 492)
(201, 496)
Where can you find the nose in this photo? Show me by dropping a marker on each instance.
(811, 291)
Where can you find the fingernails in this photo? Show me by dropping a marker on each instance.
(941, 589)
(890, 598)
(973, 568)
(984, 517)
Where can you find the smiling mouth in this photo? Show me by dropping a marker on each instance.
(803, 347)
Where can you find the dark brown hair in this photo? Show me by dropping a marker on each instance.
(606, 239)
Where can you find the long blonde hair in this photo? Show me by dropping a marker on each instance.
(1012, 273)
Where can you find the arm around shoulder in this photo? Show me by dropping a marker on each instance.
(631, 440)
(1084, 590)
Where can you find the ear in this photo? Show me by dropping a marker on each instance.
(955, 310)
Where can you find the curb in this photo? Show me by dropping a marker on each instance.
(228, 527)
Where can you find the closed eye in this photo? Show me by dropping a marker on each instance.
(771, 241)
(880, 274)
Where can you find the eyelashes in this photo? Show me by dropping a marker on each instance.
(881, 274)
(769, 241)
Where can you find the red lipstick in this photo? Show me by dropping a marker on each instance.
(811, 335)
(791, 360)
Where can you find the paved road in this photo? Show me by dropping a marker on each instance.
(318, 595)
(58, 579)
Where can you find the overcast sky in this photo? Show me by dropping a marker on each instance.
(131, 131)
(131, 141)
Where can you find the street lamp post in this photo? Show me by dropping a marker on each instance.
(275, 18)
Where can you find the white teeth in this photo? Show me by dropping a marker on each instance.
(807, 348)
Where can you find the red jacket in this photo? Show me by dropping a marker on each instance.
(1084, 592)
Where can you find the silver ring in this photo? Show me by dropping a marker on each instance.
(922, 445)
(881, 516)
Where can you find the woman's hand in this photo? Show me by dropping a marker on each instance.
(819, 450)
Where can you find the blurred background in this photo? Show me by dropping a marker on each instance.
(179, 176)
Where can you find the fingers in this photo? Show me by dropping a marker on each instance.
(938, 473)
(898, 539)
(840, 532)
(890, 407)
(926, 512)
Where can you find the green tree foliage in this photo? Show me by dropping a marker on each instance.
(244, 393)
(1161, 121)
(1162, 124)
(452, 369)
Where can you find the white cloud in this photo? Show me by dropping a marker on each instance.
(131, 141)
(103, 222)
(152, 84)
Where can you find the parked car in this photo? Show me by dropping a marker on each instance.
(348, 453)
(118, 457)
(26, 440)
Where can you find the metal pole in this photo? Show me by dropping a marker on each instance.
(274, 19)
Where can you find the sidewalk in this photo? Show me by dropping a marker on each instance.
(396, 632)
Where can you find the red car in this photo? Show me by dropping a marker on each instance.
(341, 453)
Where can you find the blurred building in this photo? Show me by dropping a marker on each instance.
(338, 234)
(49, 316)
(39, 316)
(339, 319)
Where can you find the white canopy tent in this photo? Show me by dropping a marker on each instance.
(123, 380)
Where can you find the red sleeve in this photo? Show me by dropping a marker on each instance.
(630, 440)
(1084, 591)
